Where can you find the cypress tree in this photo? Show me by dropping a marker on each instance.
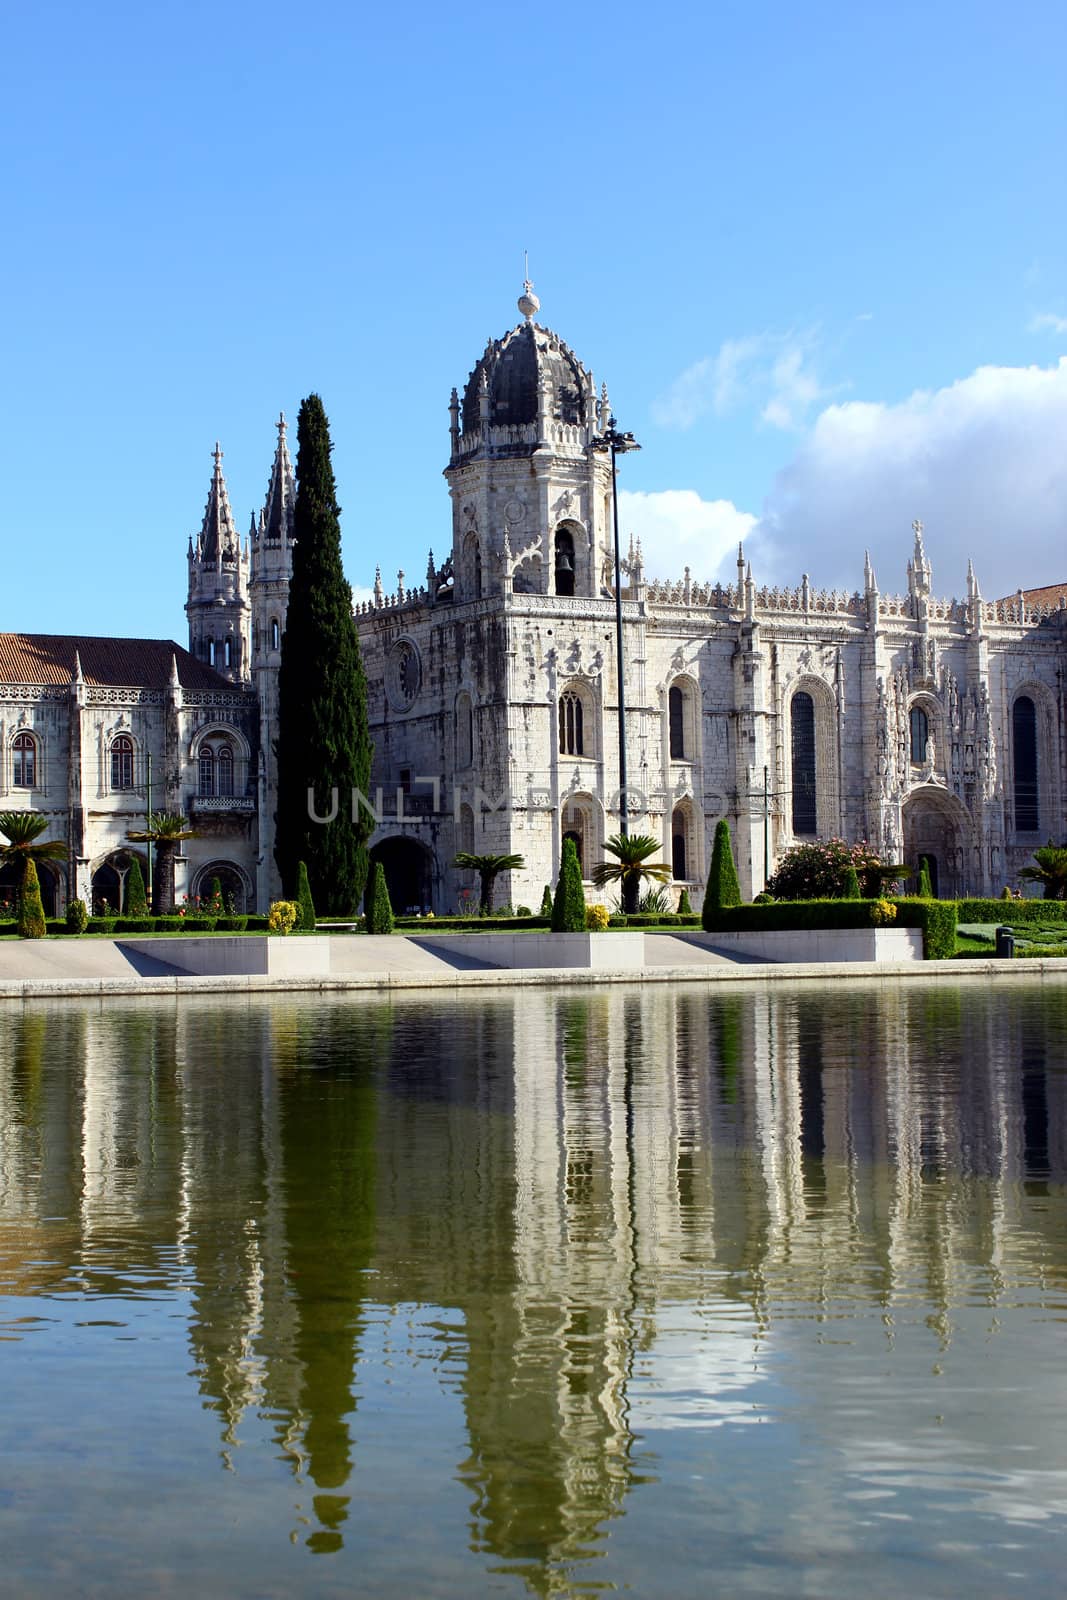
(926, 888)
(546, 902)
(31, 911)
(379, 909)
(136, 899)
(568, 908)
(851, 890)
(323, 735)
(684, 907)
(723, 889)
(305, 904)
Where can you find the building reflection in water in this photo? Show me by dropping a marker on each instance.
(565, 1175)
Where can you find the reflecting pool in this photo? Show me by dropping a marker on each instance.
(674, 1291)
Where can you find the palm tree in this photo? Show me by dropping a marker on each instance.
(1050, 872)
(166, 830)
(488, 869)
(22, 830)
(632, 867)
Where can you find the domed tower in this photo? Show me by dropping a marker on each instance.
(218, 606)
(527, 491)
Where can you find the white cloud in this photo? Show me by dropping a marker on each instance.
(1047, 322)
(678, 529)
(771, 370)
(981, 462)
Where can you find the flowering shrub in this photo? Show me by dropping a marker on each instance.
(882, 911)
(820, 871)
(282, 916)
(596, 918)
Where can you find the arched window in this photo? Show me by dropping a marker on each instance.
(211, 652)
(676, 719)
(802, 731)
(24, 775)
(564, 562)
(122, 762)
(207, 771)
(227, 653)
(571, 733)
(920, 733)
(225, 765)
(464, 732)
(275, 634)
(1024, 763)
(679, 844)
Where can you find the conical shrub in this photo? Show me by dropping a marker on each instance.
(851, 889)
(136, 899)
(568, 908)
(306, 919)
(379, 910)
(926, 888)
(31, 911)
(546, 901)
(723, 889)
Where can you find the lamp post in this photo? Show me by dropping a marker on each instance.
(618, 444)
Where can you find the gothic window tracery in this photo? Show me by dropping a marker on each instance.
(802, 729)
(571, 724)
(122, 762)
(919, 733)
(24, 766)
(1024, 753)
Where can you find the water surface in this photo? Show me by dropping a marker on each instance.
(667, 1291)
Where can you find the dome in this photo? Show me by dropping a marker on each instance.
(514, 368)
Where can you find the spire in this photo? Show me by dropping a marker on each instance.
(918, 566)
(175, 681)
(218, 534)
(870, 582)
(77, 676)
(281, 491)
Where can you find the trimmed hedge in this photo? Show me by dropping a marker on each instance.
(198, 924)
(136, 924)
(231, 924)
(936, 918)
(469, 924)
(170, 924)
(101, 925)
(1011, 911)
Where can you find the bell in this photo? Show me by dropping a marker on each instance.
(563, 562)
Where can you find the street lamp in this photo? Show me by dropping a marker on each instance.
(618, 444)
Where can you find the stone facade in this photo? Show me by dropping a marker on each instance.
(925, 726)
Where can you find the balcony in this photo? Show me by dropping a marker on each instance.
(221, 802)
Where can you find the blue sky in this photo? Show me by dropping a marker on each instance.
(818, 253)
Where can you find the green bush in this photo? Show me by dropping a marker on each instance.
(136, 899)
(231, 924)
(818, 871)
(568, 908)
(136, 924)
(936, 919)
(77, 916)
(101, 925)
(925, 890)
(523, 911)
(851, 890)
(196, 925)
(546, 902)
(684, 908)
(305, 920)
(170, 924)
(257, 924)
(379, 909)
(723, 889)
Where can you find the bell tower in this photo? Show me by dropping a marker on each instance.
(531, 500)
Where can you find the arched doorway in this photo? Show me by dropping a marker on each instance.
(408, 868)
(236, 899)
(937, 826)
(109, 880)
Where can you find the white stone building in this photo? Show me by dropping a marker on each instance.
(926, 726)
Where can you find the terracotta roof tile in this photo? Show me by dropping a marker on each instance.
(120, 663)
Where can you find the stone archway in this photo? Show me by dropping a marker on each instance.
(47, 877)
(408, 868)
(937, 826)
